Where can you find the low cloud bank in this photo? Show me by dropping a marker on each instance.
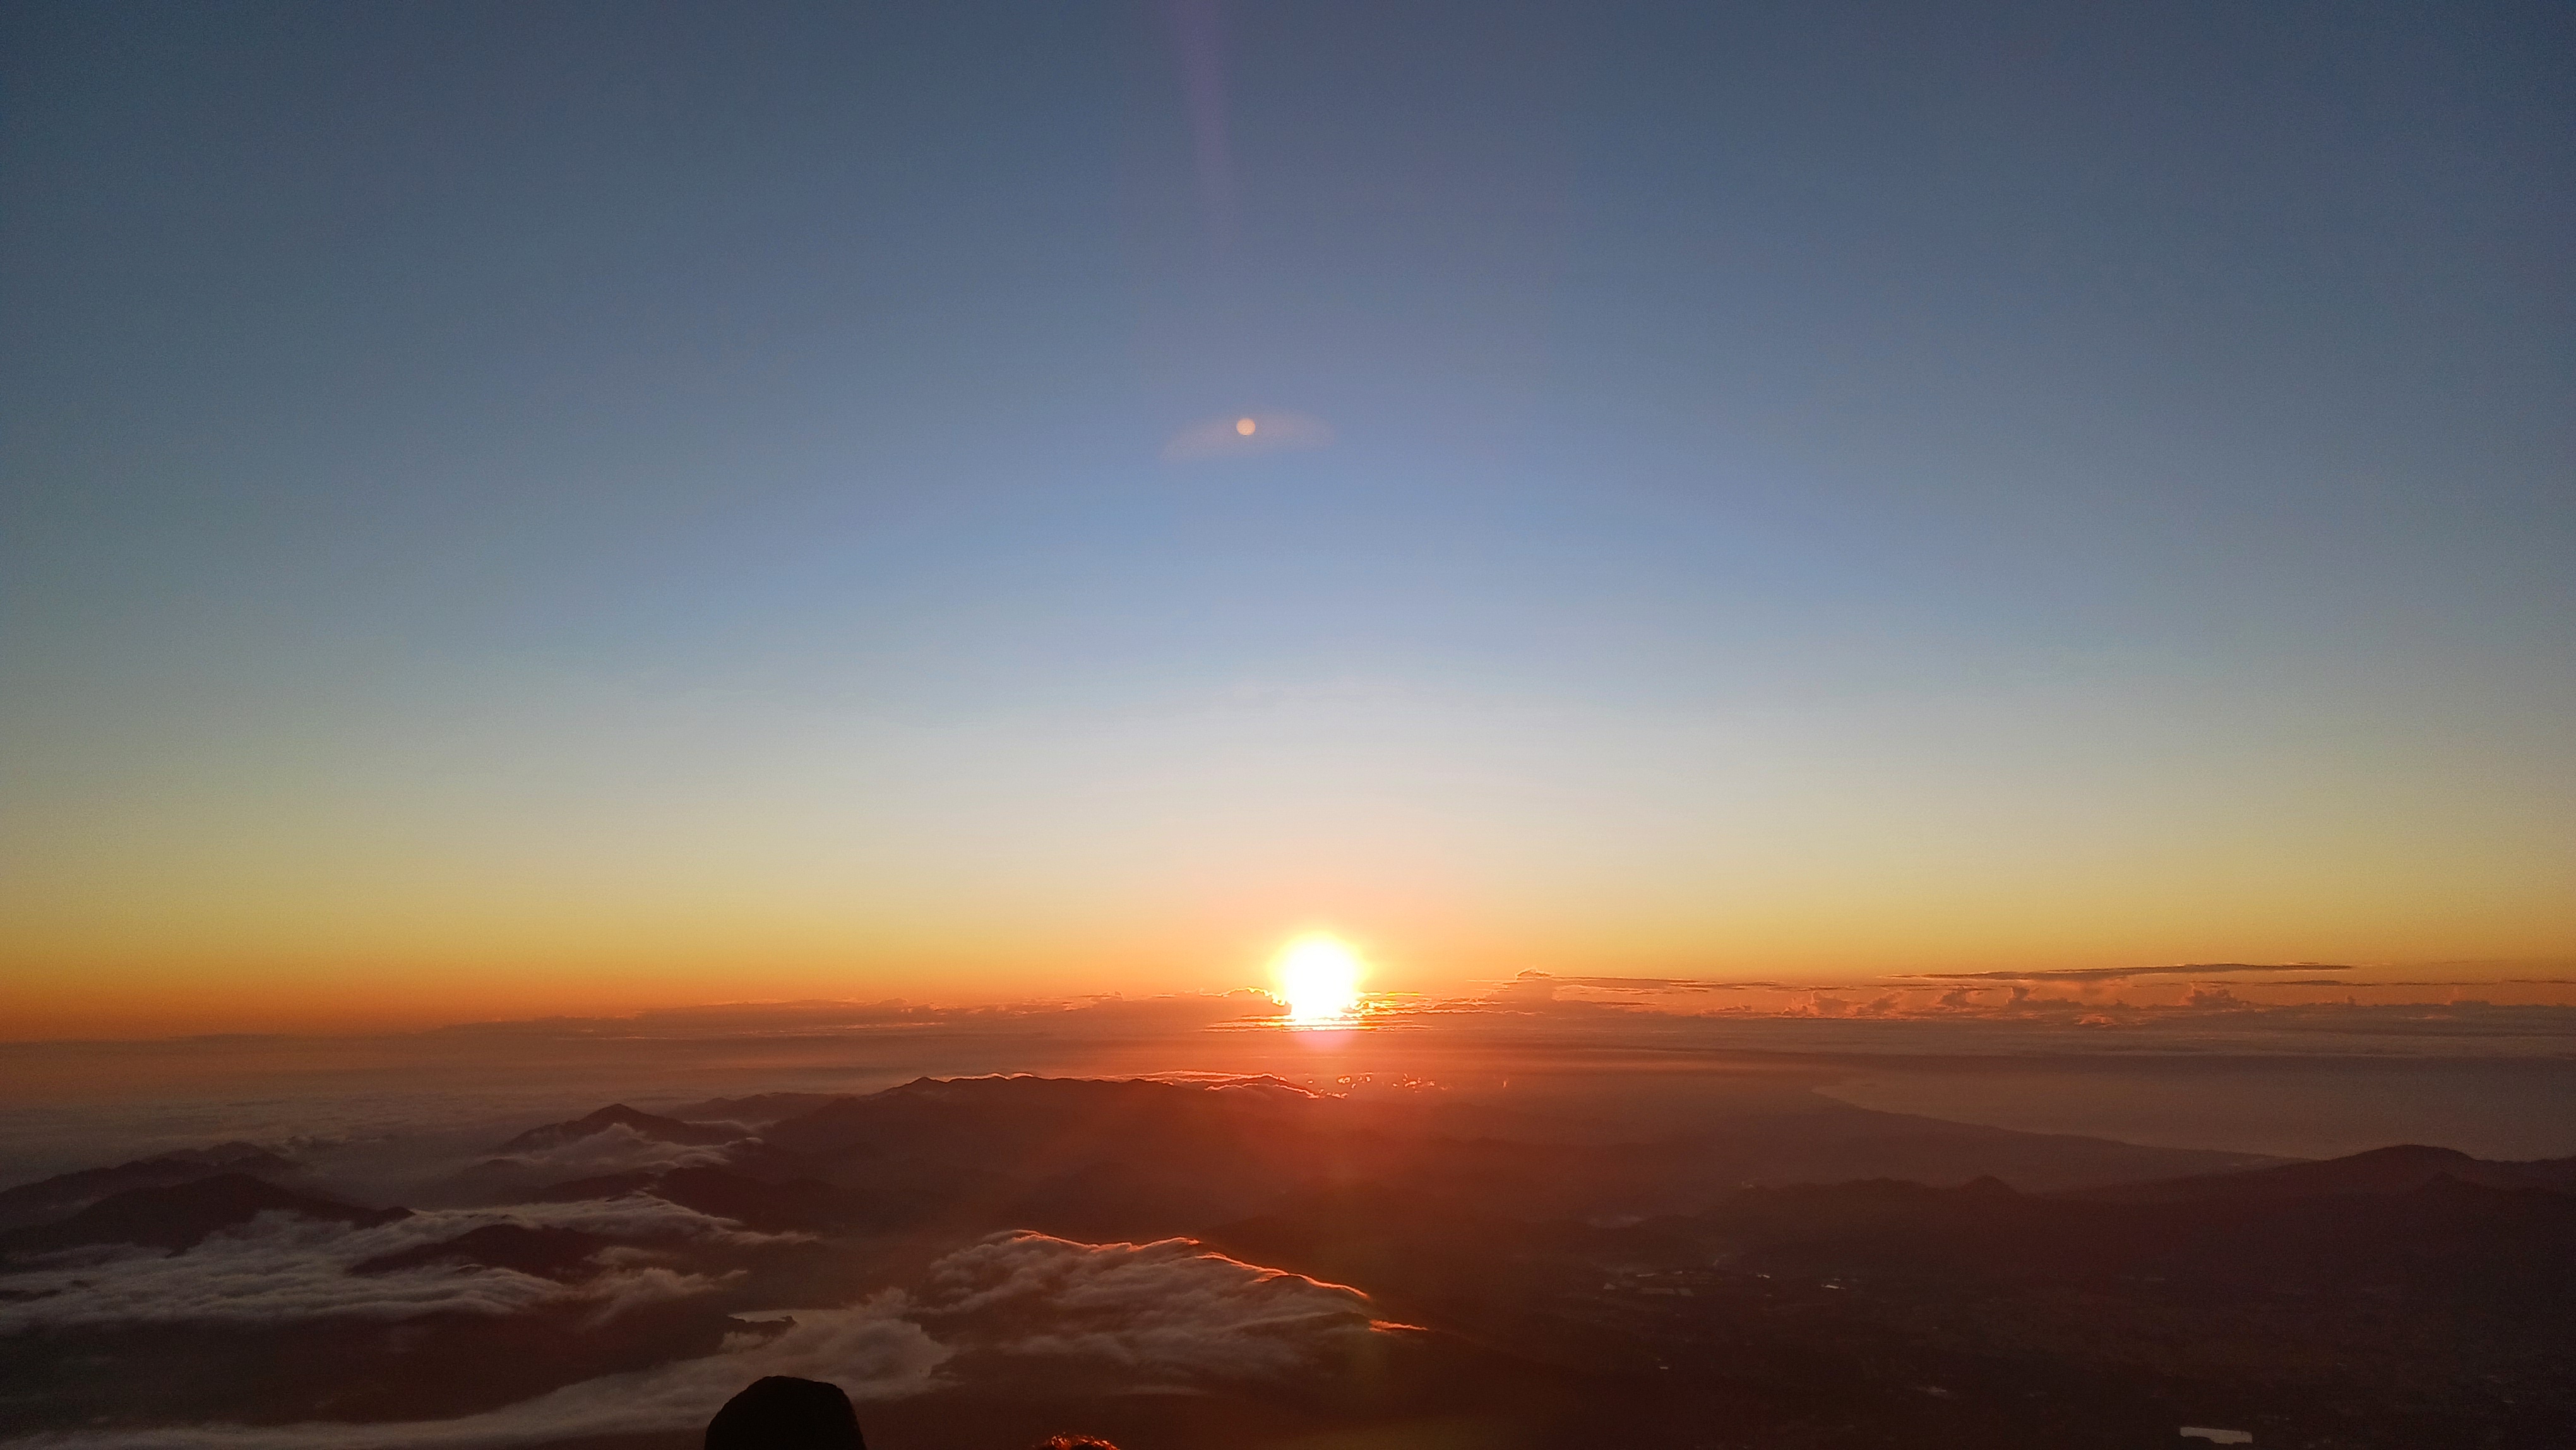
(614, 1149)
(2283, 999)
(1160, 1315)
(278, 1267)
(1171, 1310)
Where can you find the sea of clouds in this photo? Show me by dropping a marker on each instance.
(1168, 1315)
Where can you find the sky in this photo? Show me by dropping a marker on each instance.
(516, 509)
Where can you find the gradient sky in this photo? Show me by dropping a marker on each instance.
(579, 507)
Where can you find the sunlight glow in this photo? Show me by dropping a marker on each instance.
(1245, 426)
(1319, 979)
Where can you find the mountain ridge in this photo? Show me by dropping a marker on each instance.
(180, 1216)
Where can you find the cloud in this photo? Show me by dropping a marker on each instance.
(1172, 1309)
(617, 1148)
(1541, 989)
(279, 1267)
(757, 1019)
(1257, 1085)
(2122, 974)
(1545, 982)
(1218, 438)
(1159, 1315)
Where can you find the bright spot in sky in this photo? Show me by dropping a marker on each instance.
(1319, 978)
(1245, 426)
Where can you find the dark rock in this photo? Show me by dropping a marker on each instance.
(785, 1413)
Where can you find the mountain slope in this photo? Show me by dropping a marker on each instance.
(181, 1216)
(617, 1115)
(65, 1192)
(2400, 1169)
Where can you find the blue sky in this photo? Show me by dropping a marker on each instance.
(447, 447)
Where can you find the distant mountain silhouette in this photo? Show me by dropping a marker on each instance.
(552, 1253)
(179, 1217)
(1123, 1158)
(603, 1185)
(757, 1110)
(617, 1115)
(522, 1173)
(1091, 1157)
(2441, 1238)
(802, 1203)
(2400, 1169)
(53, 1197)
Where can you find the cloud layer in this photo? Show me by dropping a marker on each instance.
(1171, 1311)
(1160, 1315)
(614, 1149)
(279, 1267)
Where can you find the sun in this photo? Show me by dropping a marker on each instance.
(1319, 978)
